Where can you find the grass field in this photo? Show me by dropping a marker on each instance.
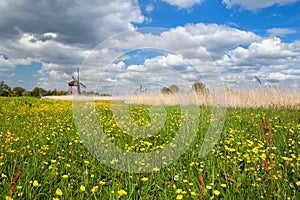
(42, 155)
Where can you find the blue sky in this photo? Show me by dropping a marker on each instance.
(42, 44)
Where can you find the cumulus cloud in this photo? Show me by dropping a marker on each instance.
(280, 31)
(269, 51)
(149, 8)
(5, 64)
(217, 38)
(74, 21)
(60, 34)
(183, 3)
(202, 49)
(255, 5)
(270, 58)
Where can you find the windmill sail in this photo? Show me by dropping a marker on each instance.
(76, 83)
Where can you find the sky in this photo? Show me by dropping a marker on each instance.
(133, 46)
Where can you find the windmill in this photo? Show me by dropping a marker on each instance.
(142, 88)
(75, 84)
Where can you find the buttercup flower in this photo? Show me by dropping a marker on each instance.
(82, 188)
(58, 192)
(122, 193)
(144, 179)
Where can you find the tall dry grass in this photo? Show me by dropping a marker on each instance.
(229, 98)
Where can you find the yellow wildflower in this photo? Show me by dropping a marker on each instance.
(178, 191)
(122, 193)
(36, 183)
(155, 169)
(82, 188)
(217, 192)
(144, 179)
(58, 192)
(102, 183)
(94, 189)
(208, 187)
(65, 176)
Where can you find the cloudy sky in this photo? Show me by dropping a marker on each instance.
(43, 42)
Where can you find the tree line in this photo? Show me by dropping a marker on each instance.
(197, 87)
(6, 90)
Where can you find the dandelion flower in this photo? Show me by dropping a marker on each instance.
(144, 179)
(94, 189)
(65, 176)
(155, 169)
(3, 176)
(36, 183)
(217, 192)
(178, 191)
(193, 194)
(298, 183)
(58, 192)
(122, 193)
(223, 185)
(82, 188)
(102, 183)
(180, 196)
(208, 187)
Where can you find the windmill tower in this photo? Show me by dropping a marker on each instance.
(74, 85)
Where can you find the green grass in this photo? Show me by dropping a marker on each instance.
(39, 136)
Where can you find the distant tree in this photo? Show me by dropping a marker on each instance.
(165, 90)
(199, 87)
(62, 93)
(174, 88)
(56, 92)
(5, 90)
(37, 92)
(26, 93)
(17, 91)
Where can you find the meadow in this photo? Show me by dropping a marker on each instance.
(42, 155)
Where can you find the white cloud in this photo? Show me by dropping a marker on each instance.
(60, 34)
(280, 31)
(183, 3)
(51, 35)
(255, 5)
(149, 8)
(217, 38)
(271, 59)
(75, 22)
(5, 64)
(269, 51)
(138, 68)
(246, 55)
(281, 77)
